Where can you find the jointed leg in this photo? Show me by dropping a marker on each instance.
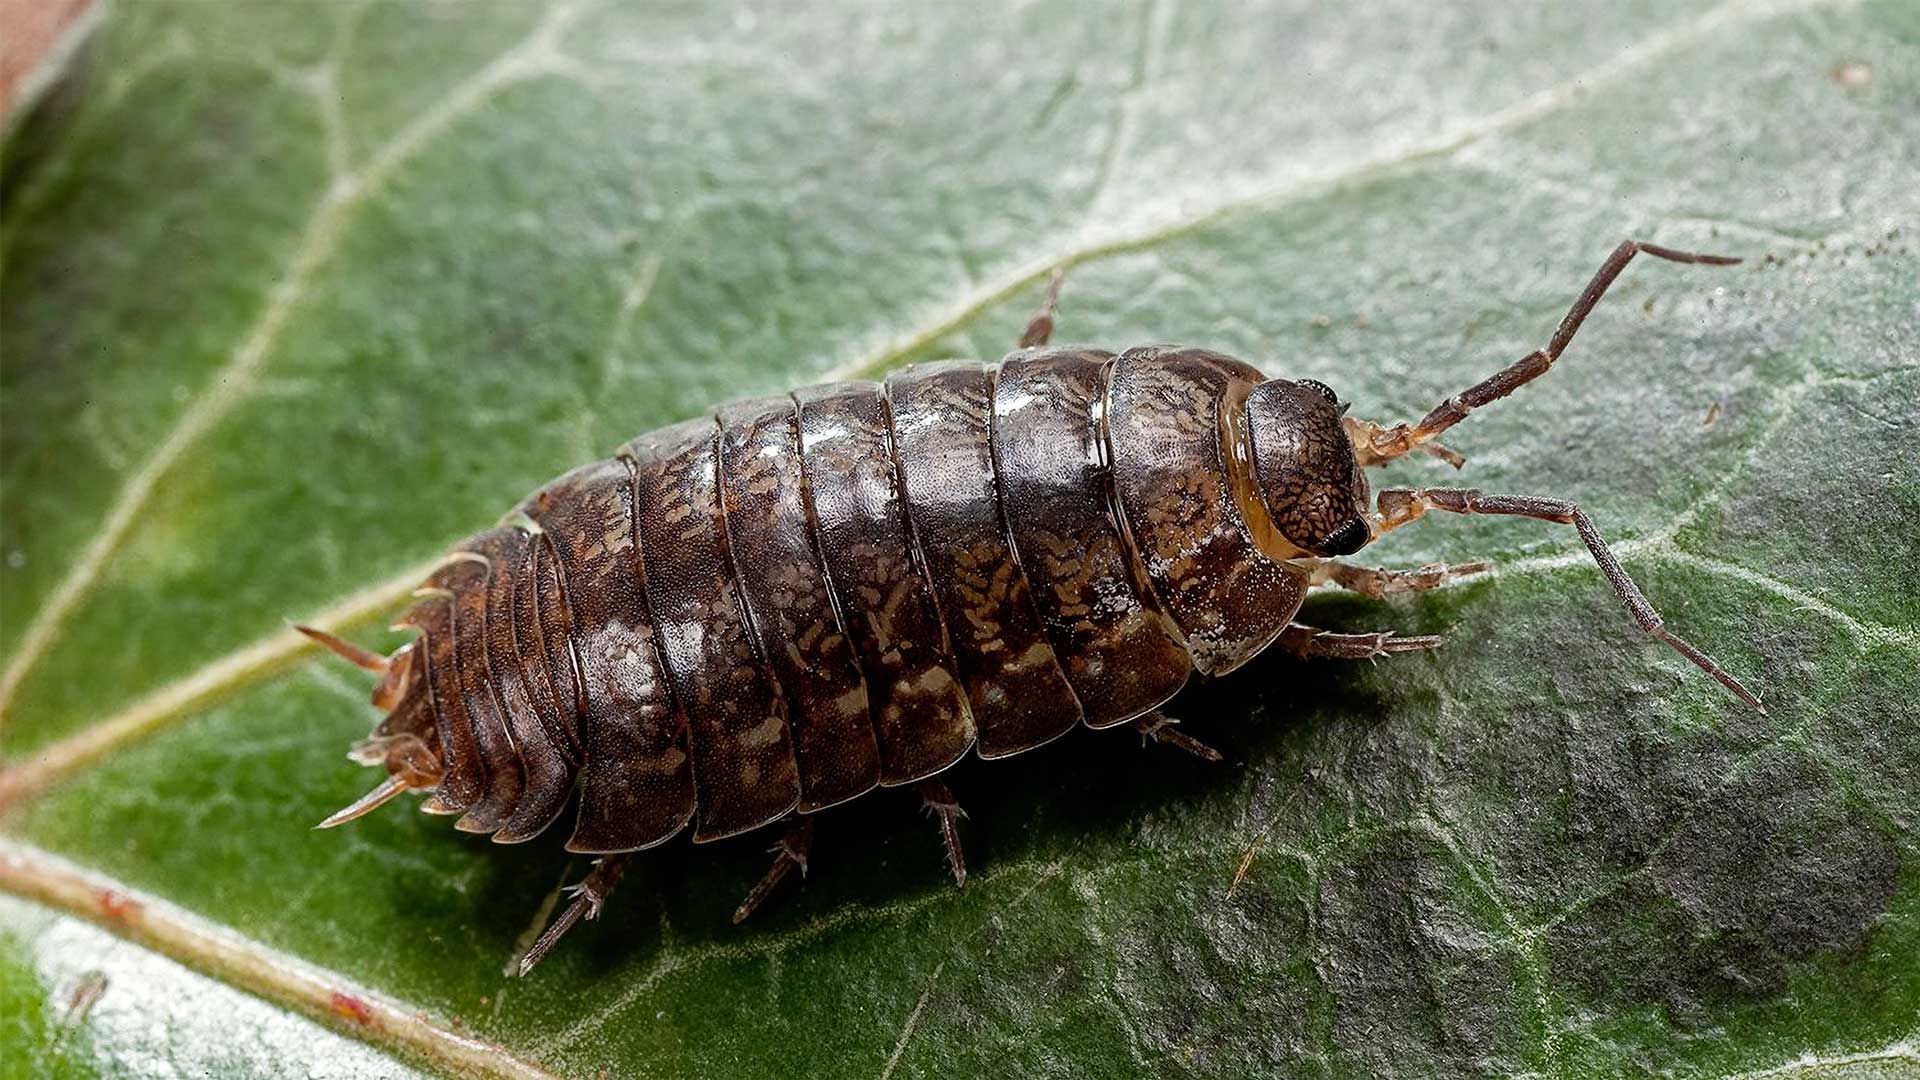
(1398, 506)
(939, 802)
(1040, 327)
(588, 895)
(1313, 643)
(788, 853)
(1158, 727)
(1375, 444)
(1372, 581)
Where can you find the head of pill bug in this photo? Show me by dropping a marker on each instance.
(1303, 463)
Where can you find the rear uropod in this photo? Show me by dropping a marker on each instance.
(756, 614)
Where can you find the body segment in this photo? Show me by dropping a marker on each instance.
(784, 592)
(881, 589)
(1174, 471)
(1122, 654)
(943, 439)
(637, 774)
(743, 768)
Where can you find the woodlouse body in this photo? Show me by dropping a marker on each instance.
(787, 604)
(770, 610)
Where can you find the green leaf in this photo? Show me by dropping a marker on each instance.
(298, 294)
(77, 1002)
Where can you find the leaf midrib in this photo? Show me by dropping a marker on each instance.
(152, 922)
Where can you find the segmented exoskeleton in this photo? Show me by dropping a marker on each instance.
(759, 613)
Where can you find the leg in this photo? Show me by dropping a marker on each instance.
(789, 852)
(1374, 582)
(592, 892)
(1376, 444)
(1369, 438)
(1398, 506)
(1158, 727)
(1313, 643)
(939, 802)
(1040, 327)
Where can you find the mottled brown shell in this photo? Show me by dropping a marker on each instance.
(778, 607)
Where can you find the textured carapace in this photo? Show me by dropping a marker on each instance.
(785, 604)
(798, 599)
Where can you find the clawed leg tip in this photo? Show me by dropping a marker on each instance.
(790, 852)
(1159, 728)
(584, 900)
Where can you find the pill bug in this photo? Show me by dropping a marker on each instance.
(759, 613)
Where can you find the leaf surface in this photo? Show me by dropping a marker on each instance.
(298, 295)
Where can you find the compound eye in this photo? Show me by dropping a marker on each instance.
(1325, 390)
(1348, 538)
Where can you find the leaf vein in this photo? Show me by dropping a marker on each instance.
(176, 933)
(235, 380)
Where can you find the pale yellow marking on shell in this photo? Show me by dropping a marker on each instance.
(518, 519)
